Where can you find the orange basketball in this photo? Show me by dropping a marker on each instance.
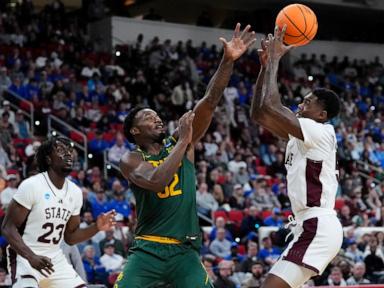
(301, 24)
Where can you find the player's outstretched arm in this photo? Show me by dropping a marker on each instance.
(14, 218)
(155, 179)
(205, 108)
(268, 109)
(73, 234)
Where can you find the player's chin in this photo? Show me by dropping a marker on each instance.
(67, 169)
(160, 137)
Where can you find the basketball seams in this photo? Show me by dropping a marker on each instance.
(293, 23)
(305, 19)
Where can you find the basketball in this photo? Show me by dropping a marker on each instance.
(301, 24)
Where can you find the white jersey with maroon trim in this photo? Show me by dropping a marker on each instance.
(50, 209)
(311, 167)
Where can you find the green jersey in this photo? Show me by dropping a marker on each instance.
(172, 212)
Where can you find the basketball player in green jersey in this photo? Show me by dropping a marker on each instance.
(162, 177)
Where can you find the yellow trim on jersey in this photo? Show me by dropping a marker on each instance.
(158, 239)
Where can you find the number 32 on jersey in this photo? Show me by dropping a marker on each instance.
(169, 191)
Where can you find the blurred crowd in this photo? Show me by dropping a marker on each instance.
(47, 59)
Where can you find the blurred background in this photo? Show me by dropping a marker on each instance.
(75, 68)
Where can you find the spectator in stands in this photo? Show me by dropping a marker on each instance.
(354, 253)
(117, 150)
(357, 277)
(220, 247)
(111, 239)
(99, 203)
(252, 222)
(345, 216)
(220, 222)
(234, 254)
(235, 164)
(87, 206)
(225, 271)
(335, 278)
(5, 124)
(237, 200)
(7, 194)
(373, 258)
(7, 108)
(80, 121)
(242, 177)
(275, 219)
(208, 262)
(22, 127)
(98, 144)
(251, 257)
(119, 203)
(269, 254)
(73, 256)
(257, 278)
(95, 271)
(5, 81)
(111, 261)
(206, 204)
(95, 240)
(262, 196)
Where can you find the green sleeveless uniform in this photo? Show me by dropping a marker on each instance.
(167, 242)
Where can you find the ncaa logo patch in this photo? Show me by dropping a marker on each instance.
(47, 196)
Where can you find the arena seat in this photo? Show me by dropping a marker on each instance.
(339, 203)
(220, 213)
(266, 213)
(236, 216)
(75, 136)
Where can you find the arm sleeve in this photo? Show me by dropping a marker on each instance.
(314, 133)
(25, 194)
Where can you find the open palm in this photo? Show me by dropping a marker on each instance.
(239, 42)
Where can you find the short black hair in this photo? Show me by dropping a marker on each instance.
(45, 149)
(129, 121)
(330, 101)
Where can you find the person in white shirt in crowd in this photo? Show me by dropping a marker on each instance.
(357, 277)
(110, 260)
(7, 194)
(7, 108)
(237, 163)
(336, 278)
(117, 150)
(220, 247)
(205, 201)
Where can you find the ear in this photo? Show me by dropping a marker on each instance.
(134, 131)
(323, 116)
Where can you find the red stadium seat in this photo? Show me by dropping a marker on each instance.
(220, 213)
(241, 249)
(339, 203)
(236, 216)
(262, 170)
(91, 135)
(75, 136)
(266, 213)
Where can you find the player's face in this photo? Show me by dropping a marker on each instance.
(311, 108)
(149, 125)
(62, 158)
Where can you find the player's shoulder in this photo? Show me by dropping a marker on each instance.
(32, 180)
(73, 186)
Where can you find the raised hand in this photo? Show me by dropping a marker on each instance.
(239, 43)
(106, 221)
(185, 127)
(275, 46)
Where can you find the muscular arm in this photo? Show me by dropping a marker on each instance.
(144, 175)
(205, 108)
(74, 234)
(267, 108)
(15, 217)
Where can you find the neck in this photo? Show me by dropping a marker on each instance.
(151, 148)
(56, 179)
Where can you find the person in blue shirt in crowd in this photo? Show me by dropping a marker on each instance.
(275, 219)
(99, 203)
(120, 205)
(269, 254)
